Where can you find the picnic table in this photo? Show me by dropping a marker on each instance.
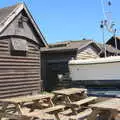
(107, 110)
(66, 93)
(17, 104)
(81, 103)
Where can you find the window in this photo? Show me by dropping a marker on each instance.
(18, 47)
(20, 23)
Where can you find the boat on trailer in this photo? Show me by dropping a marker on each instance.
(96, 72)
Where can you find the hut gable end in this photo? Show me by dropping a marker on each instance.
(87, 52)
(20, 22)
(21, 26)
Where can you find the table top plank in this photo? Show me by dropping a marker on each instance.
(111, 104)
(21, 99)
(69, 91)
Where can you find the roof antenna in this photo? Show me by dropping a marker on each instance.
(107, 23)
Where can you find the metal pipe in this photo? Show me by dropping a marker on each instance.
(104, 46)
(115, 42)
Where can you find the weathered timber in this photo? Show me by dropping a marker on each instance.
(19, 75)
(20, 43)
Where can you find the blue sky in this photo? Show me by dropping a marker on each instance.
(61, 20)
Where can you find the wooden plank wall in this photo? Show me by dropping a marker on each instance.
(54, 63)
(87, 53)
(19, 75)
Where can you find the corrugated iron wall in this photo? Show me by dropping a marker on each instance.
(19, 75)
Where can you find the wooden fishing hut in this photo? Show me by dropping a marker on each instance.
(55, 69)
(20, 63)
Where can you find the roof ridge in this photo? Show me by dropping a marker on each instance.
(80, 40)
(9, 6)
(69, 41)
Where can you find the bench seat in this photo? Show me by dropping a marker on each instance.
(57, 108)
(82, 115)
(83, 101)
(39, 114)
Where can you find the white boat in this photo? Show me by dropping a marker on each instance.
(93, 72)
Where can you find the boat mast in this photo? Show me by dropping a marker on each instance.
(103, 37)
(108, 23)
(115, 42)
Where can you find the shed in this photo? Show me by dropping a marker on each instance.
(20, 41)
(55, 60)
(110, 50)
(113, 41)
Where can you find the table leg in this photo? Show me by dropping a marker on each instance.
(36, 103)
(51, 103)
(104, 115)
(54, 98)
(67, 99)
(18, 108)
(4, 107)
(112, 115)
(57, 116)
(73, 110)
(93, 115)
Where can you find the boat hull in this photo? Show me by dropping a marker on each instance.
(105, 72)
(96, 83)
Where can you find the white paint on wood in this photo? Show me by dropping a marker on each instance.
(87, 53)
(95, 69)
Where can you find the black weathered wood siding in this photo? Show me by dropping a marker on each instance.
(53, 64)
(19, 75)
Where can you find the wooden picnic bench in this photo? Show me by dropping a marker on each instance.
(55, 110)
(82, 115)
(80, 104)
(18, 104)
(69, 91)
(37, 114)
(83, 101)
(107, 109)
(28, 115)
(66, 93)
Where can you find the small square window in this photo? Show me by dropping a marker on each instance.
(18, 47)
(20, 24)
